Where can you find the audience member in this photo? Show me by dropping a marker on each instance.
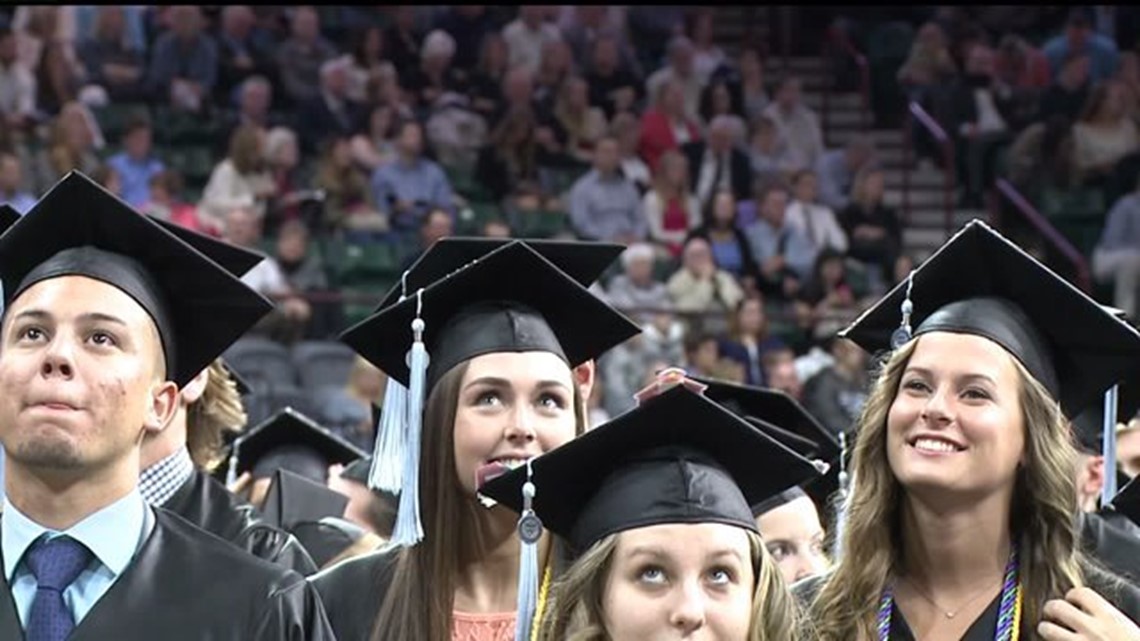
(1104, 135)
(111, 61)
(137, 164)
(626, 129)
(874, 231)
(434, 76)
(784, 254)
(376, 145)
(835, 395)
(666, 125)
(508, 164)
(982, 121)
(300, 56)
(289, 318)
(717, 164)
(240, 180)
(17, 84)
(798, 124)
(604, 204)
(929, 63)
(348, 200)
(242, 54)
(636, 289)
(1021, 65)
(719, 99)
(749, 338)
(816, 220)
(527, 35)
(1078, 37)
(402, 40)
(1069, 91)
(769, 155)
(827, 303)
(836, 170)
(1116, 257)
(166, 202)
(700, 286)
(331, 112)
(184, 66)
(72, 144)
(613, 87)
(679, 71)
(781, 374)
(469, 26)
(555, 66)
(582, 123)
(406, 189)
(366, 62)
(670, 207)
(707, 55)
(486, 80)
(729, 245)
(11, 184)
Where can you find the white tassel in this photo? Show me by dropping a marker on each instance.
(844, 496)
(387, 472)
(530, 531)
(409, 530)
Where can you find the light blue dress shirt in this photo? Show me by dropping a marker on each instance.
(106, 533)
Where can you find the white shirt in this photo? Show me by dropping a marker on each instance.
(705, 186)
(267, 278)
(818, 223)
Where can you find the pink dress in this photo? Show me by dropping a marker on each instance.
(466, 626)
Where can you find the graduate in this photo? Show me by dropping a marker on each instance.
(489, 383)
(106, 315)
(656, 509)
(960, 522)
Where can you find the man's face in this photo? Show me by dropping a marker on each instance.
(138, 143)
(606, 156)
(255, 99)
(242, 228)
(81, 374)
(438, 225)
(411, 140)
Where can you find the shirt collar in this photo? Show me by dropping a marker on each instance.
(160, 481)
(101, 532)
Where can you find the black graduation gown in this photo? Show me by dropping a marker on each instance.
(1114, 540)
(188, 585)
(207, 504)
(353, 591)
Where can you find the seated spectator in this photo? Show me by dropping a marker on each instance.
(436, 224)
(347, 410)
(720, 100)
(1021, 65)
(669, 207)
(769, 155)
(402, 40)
(166, 202)
(111, 61)
(469, 25)
(583, 25)
(817, 221)
(455, 133)
(283, 161)
(1069, 91)
(508, 165)
(106, 176)
(981, 119)
(604, 204)
(11, 181)
(1043, 155)
(780, 372)
(749, 339)
(137, 164)
(289, 319)
(71, 145)
(300, 56)
(666, 126)
(703, 358)
(86, 25)
(47, 34)
(348, 200)
(527, 35)
(305, 274)
(929, 63)
(496, 228)
(517, 92)
(405, 190)
(835, 395)
(700, 286)
(750, 84)
(1079, 37)
(784, 254)
(730, 248)
(435, 75)
(582, 124)
(679, 71)
(874, 232)
(556, 66)
(623, 370)
(827, 303)
(1104, 135)
(17, 84)
(376, 145)
(331, 112)
(613, 87)
(1116, 257)
(242, 54)
(718, 164)
(184, 66)
(240, 180)
(486, 81)
(707, 55)
(636, 288)
(367, 62)
(798, 124)
(836, 170)
(626, 129)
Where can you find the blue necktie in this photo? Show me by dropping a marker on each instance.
(55, 563)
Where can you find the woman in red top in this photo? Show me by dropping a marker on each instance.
(670, 207)
(666, 126)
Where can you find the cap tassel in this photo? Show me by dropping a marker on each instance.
(1108, 444)
(841, 505)
(904, 333)
(387, 471)
(530, 531)
(409, 530)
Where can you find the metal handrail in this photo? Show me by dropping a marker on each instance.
(916, 113)
(1040, 223)
(837, 40)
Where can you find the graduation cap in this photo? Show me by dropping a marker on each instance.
(581, 261)
(980, 283)
(8, 217)
(293, 499)
(1088, 426)
(678, 457)
(79, 228)
(240, 383)
(236, 260)
(290, 440)
(511, 299)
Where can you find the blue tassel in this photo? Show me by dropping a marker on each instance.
(530, 531)
(387, 472)
(409, 530)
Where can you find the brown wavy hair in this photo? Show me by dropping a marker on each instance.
(218, 411)
(421, 597)
(576, 614)
(1041, 519)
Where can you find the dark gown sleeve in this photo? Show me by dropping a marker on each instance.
(294, 613)
(1114, 541)
(277, 547)
(352, 592)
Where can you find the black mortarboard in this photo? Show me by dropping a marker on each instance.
(1127, 501)
(240, 383)
(291, 439)
(1088, 426)
(8, 217)
(980, 283)
(511, 299)
(678, 457)
(773, 502)
(582, 261)
(293, 499)
(236, 260)
(79, 228)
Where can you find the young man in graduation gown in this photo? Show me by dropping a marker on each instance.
(106, 315)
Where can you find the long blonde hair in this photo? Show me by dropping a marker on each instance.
(1041, 518)
(217, 411)
(575, 612)
(420, 599)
